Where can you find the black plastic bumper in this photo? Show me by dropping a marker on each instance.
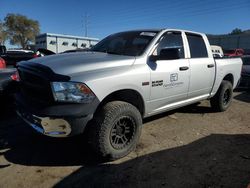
(49, 119)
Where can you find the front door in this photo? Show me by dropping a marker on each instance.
(169, 78)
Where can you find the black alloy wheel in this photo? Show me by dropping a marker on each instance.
(122, 132)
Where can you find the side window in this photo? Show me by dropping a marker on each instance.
(171, 40)
(197, 46)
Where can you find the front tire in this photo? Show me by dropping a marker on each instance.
(223, 98)
(115, 130)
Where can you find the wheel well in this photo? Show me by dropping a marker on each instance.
(230, 78)
(126, 95)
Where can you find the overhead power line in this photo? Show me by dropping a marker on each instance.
(184, 13)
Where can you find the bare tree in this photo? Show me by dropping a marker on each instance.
(3, 33)
(20, 29)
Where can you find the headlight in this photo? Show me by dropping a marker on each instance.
(72, 92)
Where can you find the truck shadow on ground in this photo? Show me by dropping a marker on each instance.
(217, 160)
(214, 161)
(26, 147)
(22, 145)
(221, 160)
(243, 96)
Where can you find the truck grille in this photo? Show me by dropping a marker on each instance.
(34, 86)
(35, 82)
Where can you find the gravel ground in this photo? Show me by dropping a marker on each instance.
(188, 147)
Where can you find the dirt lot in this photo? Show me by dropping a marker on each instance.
(189, 147)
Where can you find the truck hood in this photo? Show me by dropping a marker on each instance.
(78, 62)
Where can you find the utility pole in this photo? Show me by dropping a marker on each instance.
(86, 24)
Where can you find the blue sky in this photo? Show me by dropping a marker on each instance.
(106, 17)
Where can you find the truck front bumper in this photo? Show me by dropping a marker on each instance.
(55, 127)
(61, 120)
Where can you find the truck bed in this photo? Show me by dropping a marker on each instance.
(226, 66)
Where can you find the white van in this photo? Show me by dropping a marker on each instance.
(217, 51)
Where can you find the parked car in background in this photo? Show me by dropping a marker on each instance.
(5, 81)
(234, 53)
(20, 50)
(246, 51)
(2, 63)
(7, 86)
(217, 51)
(5, 77)
(11, 57)
(245, 73)
(44, 52)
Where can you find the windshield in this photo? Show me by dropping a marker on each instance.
(131, 43)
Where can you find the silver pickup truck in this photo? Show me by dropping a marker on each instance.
(126, 77)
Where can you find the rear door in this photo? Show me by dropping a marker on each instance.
(202, 66)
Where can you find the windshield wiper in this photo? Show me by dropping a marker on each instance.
(112, 52)
(106, 51)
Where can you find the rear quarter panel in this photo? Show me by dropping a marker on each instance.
(224, 67)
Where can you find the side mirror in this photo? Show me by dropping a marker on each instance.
(167, 54)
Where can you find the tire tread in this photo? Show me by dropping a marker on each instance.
(100, 126)
(216, 101)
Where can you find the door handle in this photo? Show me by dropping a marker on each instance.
(183, 68)
(210, 65)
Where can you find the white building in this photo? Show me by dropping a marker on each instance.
(59, 43)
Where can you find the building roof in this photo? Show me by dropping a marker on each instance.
(65, 36)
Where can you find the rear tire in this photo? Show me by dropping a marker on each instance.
(223, 98)
(115, 130)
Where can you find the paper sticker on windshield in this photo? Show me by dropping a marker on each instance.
(150, 34)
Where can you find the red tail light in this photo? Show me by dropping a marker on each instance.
(15, 76)
(35, 56)
(2, 63)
